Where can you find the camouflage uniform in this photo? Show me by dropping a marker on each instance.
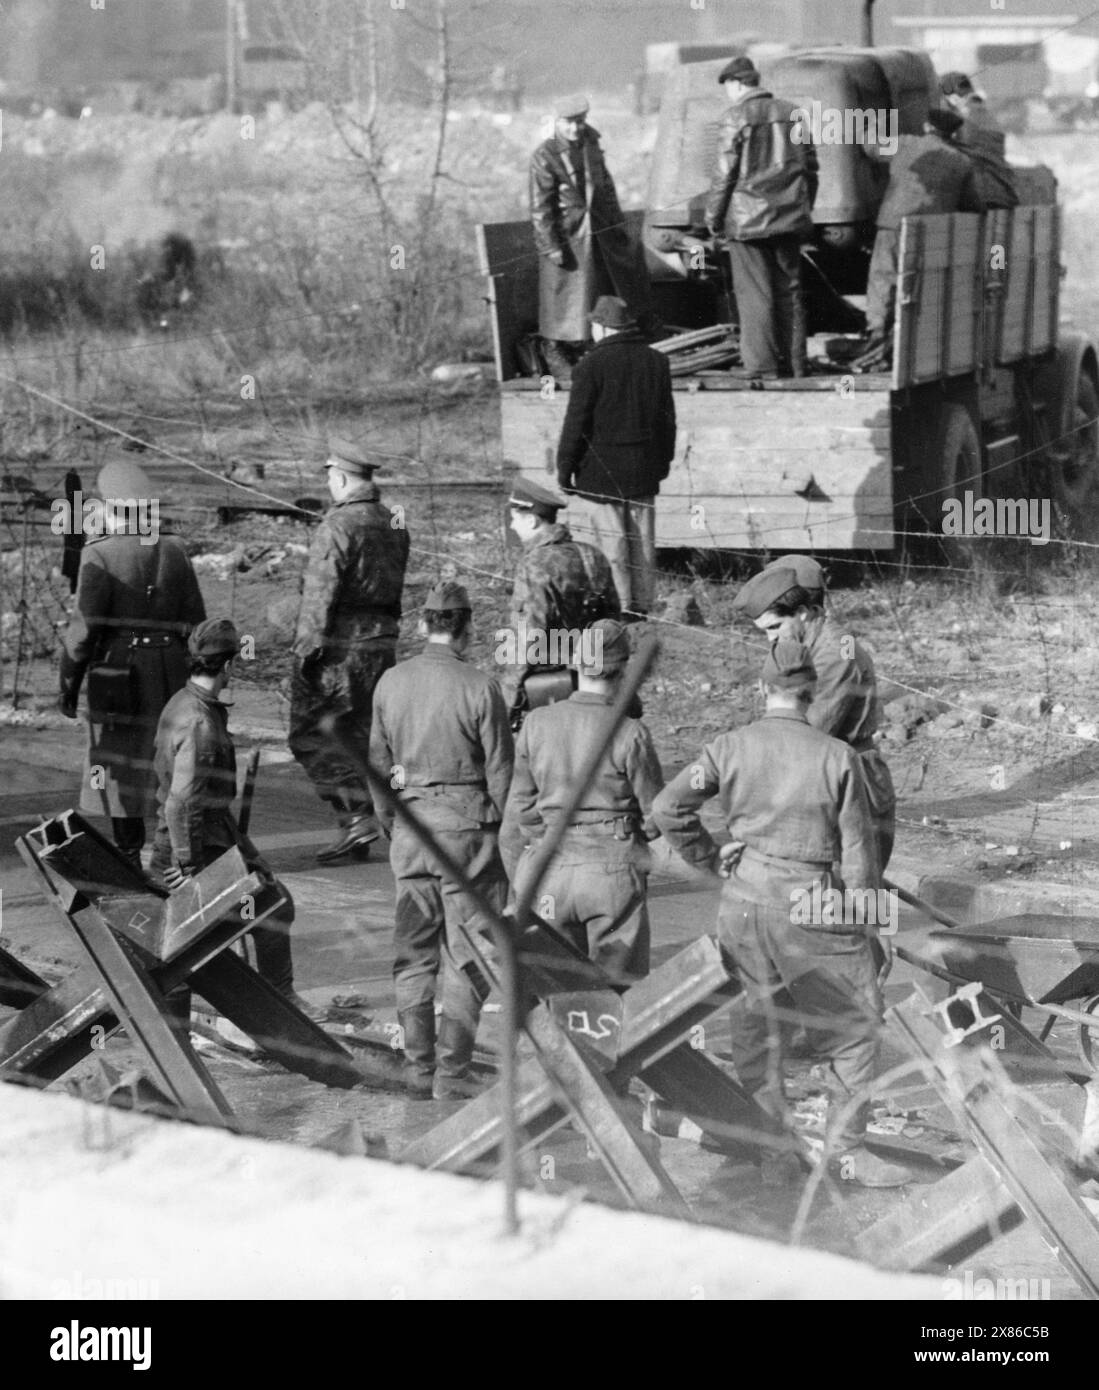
(196, 769)
(560, 585)
(846, 706)
(135, 605)
(441, 733)
(346, 638)
(796, 800)
(596, 885)
(926, 175)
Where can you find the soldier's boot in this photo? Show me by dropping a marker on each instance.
(454, 1080)
(558, 363)
(877, 354)
(358, 830)
(418, 1027)
(129, 837)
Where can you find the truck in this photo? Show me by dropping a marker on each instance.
(987, 396)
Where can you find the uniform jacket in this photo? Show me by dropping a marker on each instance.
(554, 744)
(618, 439)
(441, 734)
(928, 175)
(196, 770)
(795, 797)
(845, 703)
(573, 219)
(135, 605)
(765, 182)
(982, 140)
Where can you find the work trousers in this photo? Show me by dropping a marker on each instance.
(767, 286)
(322, 696)
(883, 802)
(594, 893)
(881, 284)
(828, 980)
(431, 912)
(626, 534)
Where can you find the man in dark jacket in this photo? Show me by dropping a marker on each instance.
(562, 586)
(197, 781)
(926, 175)
(346, 638)
(441, 735)
(981, 140)
(616, 447)
(580, 235)
(761, 203)
(137, 598)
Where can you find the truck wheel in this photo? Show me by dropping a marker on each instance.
(1075, 470)
(959, 468)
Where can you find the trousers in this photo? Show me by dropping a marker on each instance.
(881, 284)
(767, 286)
(831, 979)
(626, 534)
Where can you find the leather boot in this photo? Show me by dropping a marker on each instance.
(418, 1027)
(453, 1078)
(356, 834)
(559, 365)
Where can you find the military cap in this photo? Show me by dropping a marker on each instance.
(214, 637)
(764, 590)
(739, 69)
(575, 104)
(604, 647)
(447, 597)
(120, 480)
(945, 122)
(346, 454)
(788, 665)
(955, 84)
(530, 496)
(809, 572)
(612, 312)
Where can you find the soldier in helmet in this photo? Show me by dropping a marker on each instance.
(137, 598)
(441, 735)
(786, 599)
(346, 638)
(197, 780)
(597, 883)
(561, 587)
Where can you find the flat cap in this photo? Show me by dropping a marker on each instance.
(955, 84)
(530, 496)
(763, 590)
(120, 479)
(737, 69)
(945, 122)
(214, 637)
(351, 457)
(809, 572)
(447, 597)
(575, 104)
(612, 312)
(604, 647)
(788, 665)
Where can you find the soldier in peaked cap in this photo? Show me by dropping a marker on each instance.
(584, 249)
(787, 600)
(794, 802)
(561, 586)
(597, 883)
(137, 598)
(346, 638)
(197, 781)
(441, 736)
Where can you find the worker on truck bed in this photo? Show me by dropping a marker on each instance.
(761, 203)
(926, 175)
(584, 249)
(982, 140)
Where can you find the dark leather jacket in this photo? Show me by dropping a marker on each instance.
(765, 181)
(196, 770)
(557, 205)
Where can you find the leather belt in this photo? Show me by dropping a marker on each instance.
(153, 639)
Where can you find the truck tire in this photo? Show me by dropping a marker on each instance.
(958, 452)
(1074, 469)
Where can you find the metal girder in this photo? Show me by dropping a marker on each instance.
(1034, 1170)
(18, 982)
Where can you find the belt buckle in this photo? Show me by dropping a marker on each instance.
(622, 829)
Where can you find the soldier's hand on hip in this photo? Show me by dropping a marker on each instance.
(728, 857)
